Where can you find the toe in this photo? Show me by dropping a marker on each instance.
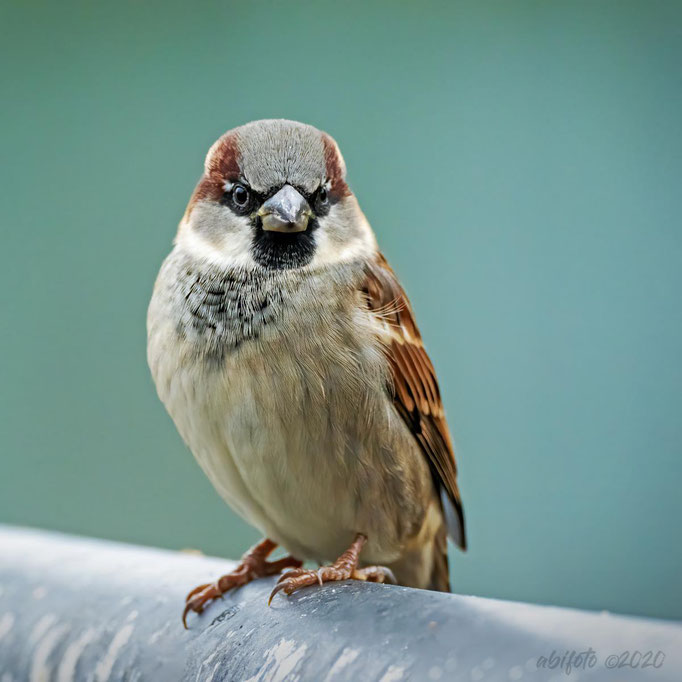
(196, 590)
(294, 580)
(197, 600)
(375, 574)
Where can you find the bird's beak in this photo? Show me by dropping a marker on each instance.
(286, 211)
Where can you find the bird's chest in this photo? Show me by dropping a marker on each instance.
(293, 353)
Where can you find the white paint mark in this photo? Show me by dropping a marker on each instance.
(516, 673)
(105, 666)
(6, 623)
(200, 673)
(280, 662)
(394, 673)
(39, 592)
(41, 627)
(40, 670)
(132, 616)
(347, 656)
(67, 668)
(435, 672)
(156, 636)
(216, 667)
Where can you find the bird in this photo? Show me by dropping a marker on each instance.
(286, 352)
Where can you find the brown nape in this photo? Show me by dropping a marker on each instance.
(339, 188)
(222, 166)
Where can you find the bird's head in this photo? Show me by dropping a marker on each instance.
(273, 195)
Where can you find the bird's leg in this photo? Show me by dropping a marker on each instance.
(252, 565)
(344, 568)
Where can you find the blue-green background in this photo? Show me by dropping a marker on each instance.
(521, 163)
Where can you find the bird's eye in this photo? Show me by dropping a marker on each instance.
(321, 200)
(240, 196)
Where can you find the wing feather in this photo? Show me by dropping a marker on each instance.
(414, 386)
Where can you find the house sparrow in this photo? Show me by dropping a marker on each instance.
(287, 354)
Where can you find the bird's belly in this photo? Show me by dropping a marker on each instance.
(309, 460)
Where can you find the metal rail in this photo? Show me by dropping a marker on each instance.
(81, 609)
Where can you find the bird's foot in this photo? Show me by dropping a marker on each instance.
(344, 568)
(252, 565)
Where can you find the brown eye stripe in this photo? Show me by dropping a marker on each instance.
(224, 161)
(222, 166)
(334, 168)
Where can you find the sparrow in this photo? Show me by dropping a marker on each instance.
(287, 354)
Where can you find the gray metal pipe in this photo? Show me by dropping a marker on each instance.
(81, 609)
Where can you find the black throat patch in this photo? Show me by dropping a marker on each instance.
(280, 251)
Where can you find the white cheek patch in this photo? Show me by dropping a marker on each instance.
(229, 243)
(338, 242)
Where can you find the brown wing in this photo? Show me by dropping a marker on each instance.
(414, 388)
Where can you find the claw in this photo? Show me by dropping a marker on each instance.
(286, 580)
(279, 586)
(253, 565)
(188, 608)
